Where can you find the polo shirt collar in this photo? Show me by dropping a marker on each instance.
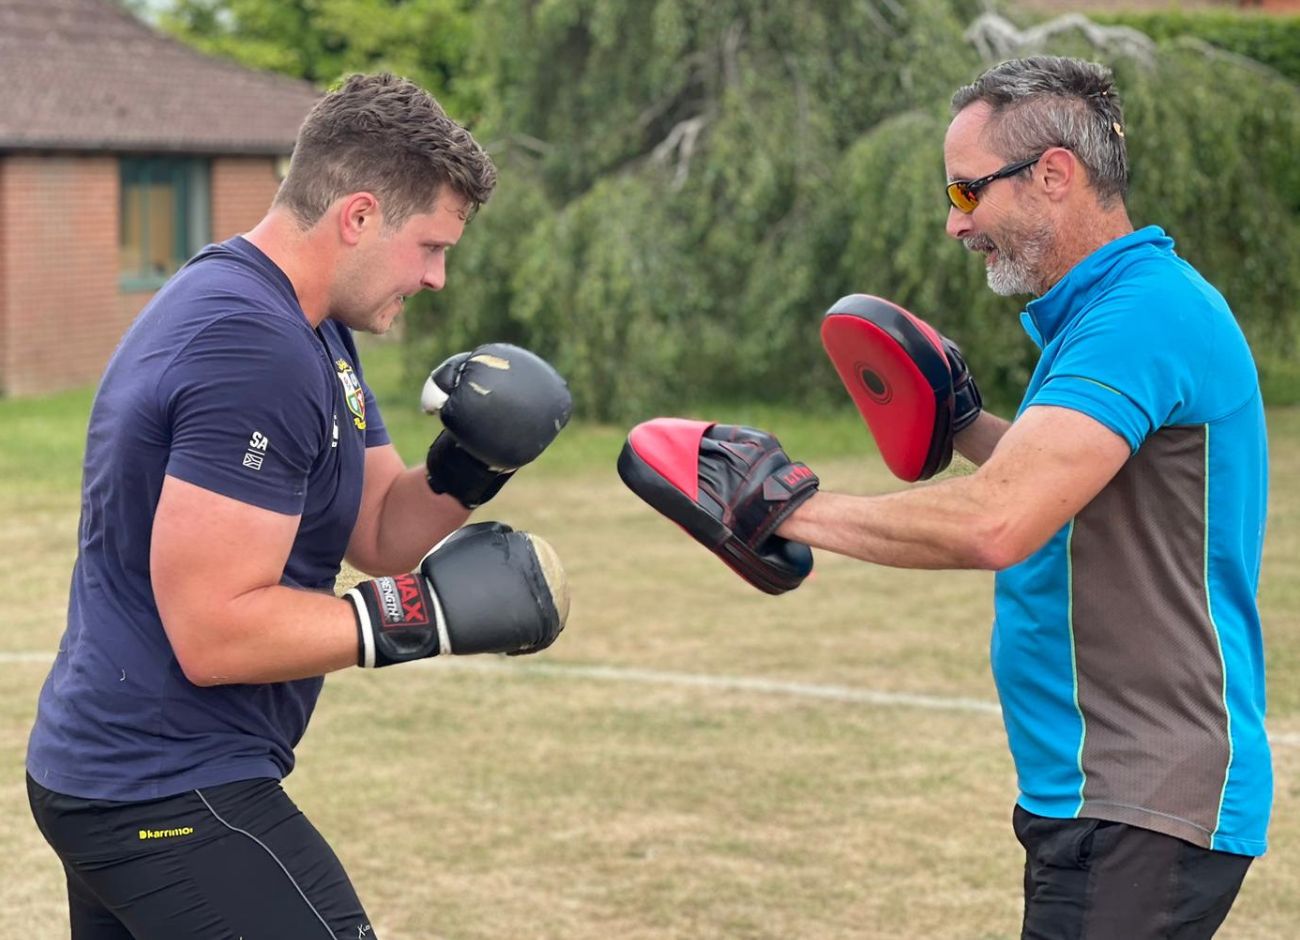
(1044, 317)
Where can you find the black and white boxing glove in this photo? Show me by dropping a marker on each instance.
(483, 589)
(500, 407)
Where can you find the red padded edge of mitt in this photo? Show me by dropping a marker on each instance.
(894, 368)
(671, 446)
(660, 462)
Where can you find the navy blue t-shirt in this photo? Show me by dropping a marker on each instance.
(220, 382)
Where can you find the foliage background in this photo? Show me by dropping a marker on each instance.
(687, 185)
(1270, 40)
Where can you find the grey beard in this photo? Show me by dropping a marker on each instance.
(1021, 272)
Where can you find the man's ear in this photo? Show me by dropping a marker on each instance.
(1061, 171)
(358, 213)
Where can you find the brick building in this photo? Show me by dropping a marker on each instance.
(122, 152)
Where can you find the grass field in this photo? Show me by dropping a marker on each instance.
(692, 759)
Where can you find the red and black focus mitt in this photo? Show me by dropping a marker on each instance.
(729, 487)
(908, 381)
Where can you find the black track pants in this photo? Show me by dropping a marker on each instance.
(235, 862)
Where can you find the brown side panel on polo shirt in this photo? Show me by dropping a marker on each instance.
(1150, 675)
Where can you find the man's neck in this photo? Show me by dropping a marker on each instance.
(1084, 236)
(301, 255)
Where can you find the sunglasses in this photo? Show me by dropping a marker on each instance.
(964, 194)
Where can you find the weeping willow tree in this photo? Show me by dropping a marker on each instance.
(687, 185)
(322, 40)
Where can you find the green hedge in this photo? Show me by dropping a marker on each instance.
(1272, 40)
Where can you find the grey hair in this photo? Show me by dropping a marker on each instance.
(1049, 101)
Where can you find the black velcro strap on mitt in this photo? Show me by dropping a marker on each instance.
(896, 372)
(660, 462)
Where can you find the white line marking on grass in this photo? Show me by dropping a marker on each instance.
(26, 657)
(835, 693)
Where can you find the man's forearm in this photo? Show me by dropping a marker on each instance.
(932, 527)
(271, 634)
(977, 441)
(409, 521)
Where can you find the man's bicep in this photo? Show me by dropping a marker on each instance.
(1049, 465)
(247, 404)
(207, 550)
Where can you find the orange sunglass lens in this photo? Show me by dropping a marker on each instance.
(962, 200)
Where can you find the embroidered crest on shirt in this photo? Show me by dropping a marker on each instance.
(352, 393)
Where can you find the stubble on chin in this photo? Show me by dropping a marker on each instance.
(380, 324)
(376, 322)
(1021, 271)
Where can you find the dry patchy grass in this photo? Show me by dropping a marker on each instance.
(498, 798)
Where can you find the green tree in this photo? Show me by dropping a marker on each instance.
(675, 151)
(688, 185)
(320, 40)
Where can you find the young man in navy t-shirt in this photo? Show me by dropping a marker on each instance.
(234, 459)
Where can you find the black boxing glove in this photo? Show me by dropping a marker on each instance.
(484, 589)
(500, 407)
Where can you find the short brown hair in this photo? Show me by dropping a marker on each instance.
(385, 135)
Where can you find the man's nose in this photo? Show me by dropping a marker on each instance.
(435, 274)
(959, 225)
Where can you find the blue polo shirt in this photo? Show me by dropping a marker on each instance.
(1127, 651)
(220, 382)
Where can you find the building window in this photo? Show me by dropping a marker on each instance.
(166, 217)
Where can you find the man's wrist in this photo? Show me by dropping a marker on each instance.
(454, 471)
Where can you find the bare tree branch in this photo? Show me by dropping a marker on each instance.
(732, 40)
(527, 142)
(693, 65)
(879, 19)
(998, 38)
(680, 141)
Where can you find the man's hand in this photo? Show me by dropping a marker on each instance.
(500, 407)
(484, 589)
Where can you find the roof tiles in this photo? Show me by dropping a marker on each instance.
(87, 75)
